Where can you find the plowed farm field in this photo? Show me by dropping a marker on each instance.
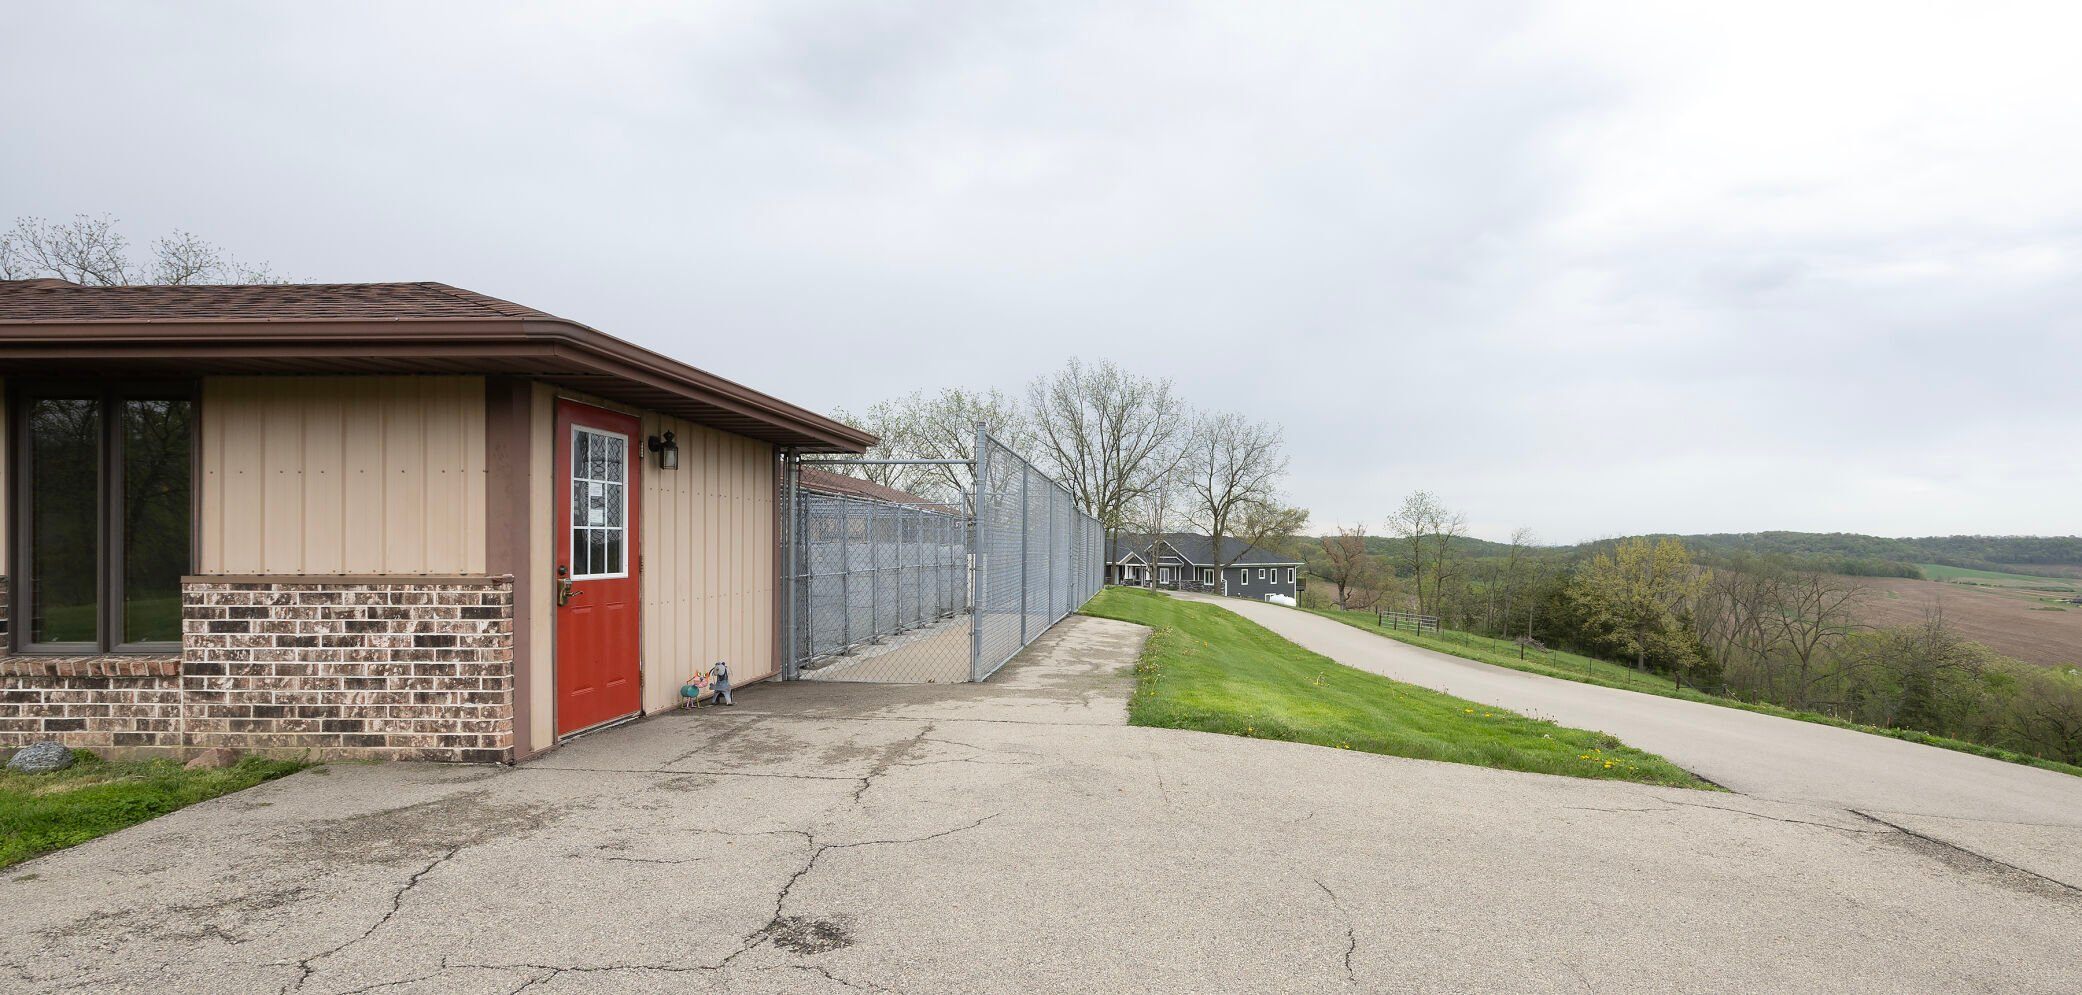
(2028, 625)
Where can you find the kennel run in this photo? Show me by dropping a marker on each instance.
(886, 586)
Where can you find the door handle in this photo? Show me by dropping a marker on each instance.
(565, 591)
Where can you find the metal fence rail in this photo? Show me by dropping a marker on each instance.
(1406, 620)
(928, 593)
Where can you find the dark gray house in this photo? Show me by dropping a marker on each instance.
(1184, 561)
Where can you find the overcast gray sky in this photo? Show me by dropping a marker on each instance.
(1590, 268)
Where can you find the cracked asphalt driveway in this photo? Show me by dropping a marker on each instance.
(1012, 837)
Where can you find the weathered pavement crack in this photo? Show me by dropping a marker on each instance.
(889, 758)
(309, 965)
(825, 973)
(381, 985)
(1773, 818)
(1351, 935)
(1956, 855)
(691, 773)
(1723, 808)
(539, 973)
(817, 852)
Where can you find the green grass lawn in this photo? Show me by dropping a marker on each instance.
(1212, 670)
(1992, 578)
(40, 813)
(1589, 670)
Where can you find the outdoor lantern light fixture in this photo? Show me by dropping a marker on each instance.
(668, 452)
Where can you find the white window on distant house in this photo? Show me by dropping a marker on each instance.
(1207, 576)
(1243, 578)
(1261, 573)
(1290, 575)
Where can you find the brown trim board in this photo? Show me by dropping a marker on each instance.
(508, 416)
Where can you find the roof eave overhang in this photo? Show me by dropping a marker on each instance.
(551, 349)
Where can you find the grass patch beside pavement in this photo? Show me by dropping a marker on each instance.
(1212, 670)
(40, 813)
(1590, 670)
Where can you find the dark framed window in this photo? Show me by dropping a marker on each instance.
(104, 528)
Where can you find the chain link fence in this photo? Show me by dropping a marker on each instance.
(881, 590)
(1039, 558)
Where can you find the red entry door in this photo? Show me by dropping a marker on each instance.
(598, 677)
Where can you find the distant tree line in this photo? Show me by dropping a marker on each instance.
(1876, 556)
(1775, 627)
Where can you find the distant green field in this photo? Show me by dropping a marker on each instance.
(1991, 578)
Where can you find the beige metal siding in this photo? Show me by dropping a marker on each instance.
(708, 560)
(342, 475)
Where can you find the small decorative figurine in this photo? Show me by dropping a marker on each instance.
(720, 675)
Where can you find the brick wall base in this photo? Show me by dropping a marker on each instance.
(104, 703)
(398, 670)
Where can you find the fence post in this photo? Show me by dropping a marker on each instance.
(874, 574)
(1025, 473)
(1051, 555)
(977, 588)
(845, 580)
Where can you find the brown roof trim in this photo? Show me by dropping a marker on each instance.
(828, 482)
(554, 349)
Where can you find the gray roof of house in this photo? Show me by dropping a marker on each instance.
(1196, 549)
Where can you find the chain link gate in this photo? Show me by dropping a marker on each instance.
(920, 592)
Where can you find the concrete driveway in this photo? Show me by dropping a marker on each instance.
(1011, 837)
(2021, 815)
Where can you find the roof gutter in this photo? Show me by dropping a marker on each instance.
(406, 338)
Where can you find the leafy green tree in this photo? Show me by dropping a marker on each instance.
(1635, 601)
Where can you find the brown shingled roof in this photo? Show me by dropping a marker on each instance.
(57, 329)
(839, 483)
(56, 300)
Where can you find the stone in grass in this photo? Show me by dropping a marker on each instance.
(217, 757)
(41, 757)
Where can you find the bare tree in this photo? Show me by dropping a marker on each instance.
(941, 426)
(1109, 436)
(1231, 465)
(1272, 526)
(1410, 524)
(91, 251)
(945, 429)
(1348, 565)
(1736, 616)
(1150, 515)
(1814, 611)
(1427, 533)
(890, 423)
(1522, 543)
